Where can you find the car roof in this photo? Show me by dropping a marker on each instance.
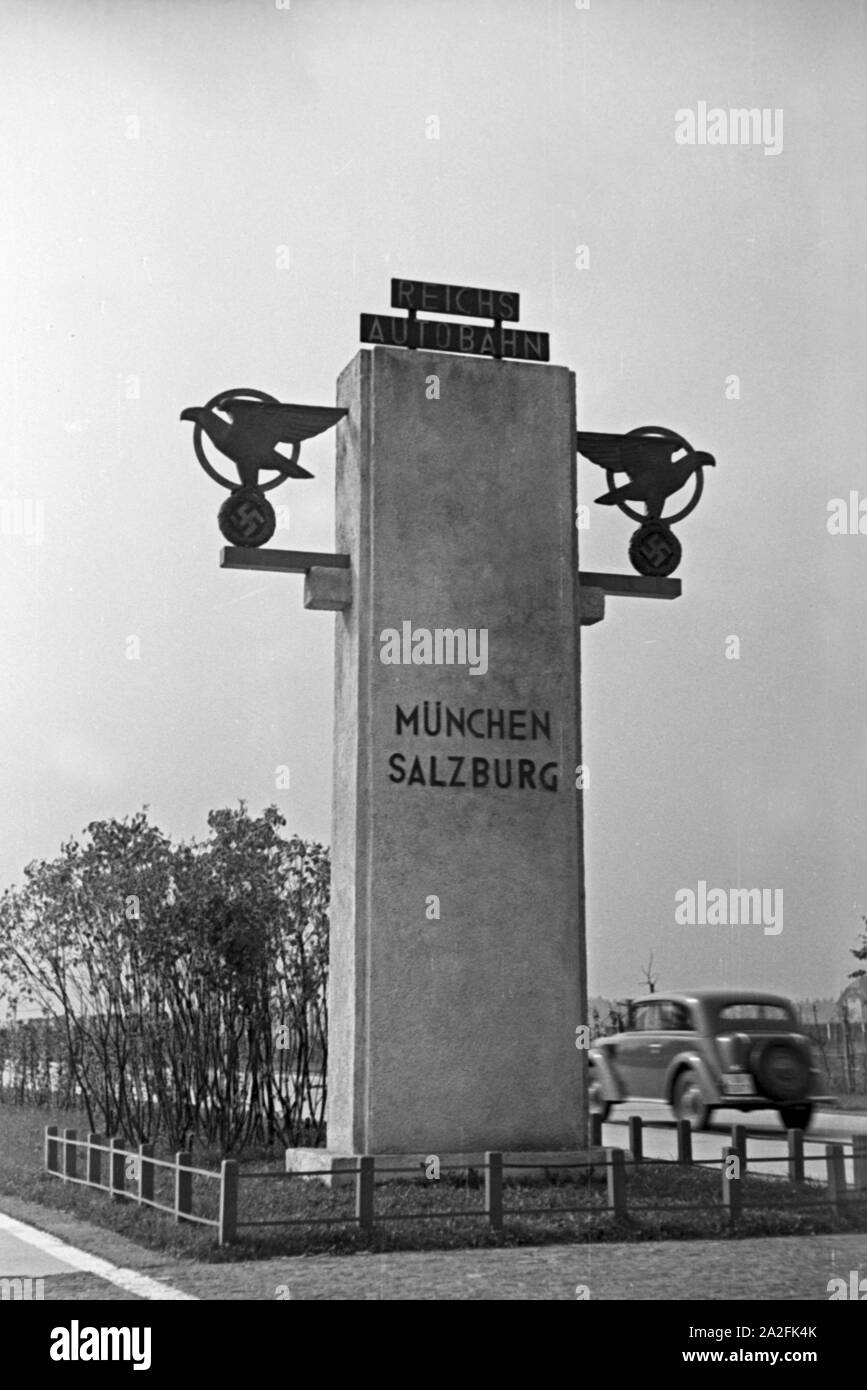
(715, 997)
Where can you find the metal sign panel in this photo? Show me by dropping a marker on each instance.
(455, 299)
(439, 336)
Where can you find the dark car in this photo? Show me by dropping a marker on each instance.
(705, 1049)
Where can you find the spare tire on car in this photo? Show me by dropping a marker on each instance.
(781, 1070)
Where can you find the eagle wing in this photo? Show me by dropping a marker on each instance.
(625, 453)
(271, 423)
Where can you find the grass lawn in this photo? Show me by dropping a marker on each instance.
(665, 1201)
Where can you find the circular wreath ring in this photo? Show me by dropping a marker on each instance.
(218, 403)
(699, 479)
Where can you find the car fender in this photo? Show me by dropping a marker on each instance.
(695, 1062)
(605, 1073)
(815, 1089)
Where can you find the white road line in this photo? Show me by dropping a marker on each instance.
(127, 1279)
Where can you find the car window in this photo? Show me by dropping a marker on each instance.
(645, 1018)
(674, 1016)
(755, 1013)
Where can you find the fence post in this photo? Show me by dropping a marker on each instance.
(684, 1141)
(51, 1147)
(731, 1186)
(596, 1129)
(70, 1153)
(364, 1180)
(739, 1144)
(494, 1188)
(795, 1139)
(116, 1168)
(636, 1139)
(616, 1173)
(859, 1162)
(834, 1157)
(145, 1173)
(94, 1160)
(228, 1200)
(183, 1184)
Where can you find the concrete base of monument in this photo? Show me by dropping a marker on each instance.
(339, 1169)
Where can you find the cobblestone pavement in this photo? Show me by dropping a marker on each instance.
(753, 1270)
(781, 1267)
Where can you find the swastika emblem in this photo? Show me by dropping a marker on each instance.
(247, 517)
(654, 550)
(658, 464)
(250, 428)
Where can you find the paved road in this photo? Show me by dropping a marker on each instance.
(828, 1126)
(48, 1262)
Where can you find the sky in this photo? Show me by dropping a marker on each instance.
(205, 195)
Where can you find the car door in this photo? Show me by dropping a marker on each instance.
(674, 1030)
(633, 1050)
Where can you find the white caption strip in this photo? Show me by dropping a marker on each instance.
(127, 1279)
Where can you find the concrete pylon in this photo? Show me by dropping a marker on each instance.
(457, 975)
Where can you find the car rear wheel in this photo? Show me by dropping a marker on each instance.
(796, 1116)
(595, 1099)
(688, 1103)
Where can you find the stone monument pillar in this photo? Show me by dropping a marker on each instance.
(457, 975)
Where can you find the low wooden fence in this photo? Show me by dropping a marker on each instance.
(126, 1166)
(833, 1158)
(62, 1154)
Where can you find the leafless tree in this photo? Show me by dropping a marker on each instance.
(649, 977)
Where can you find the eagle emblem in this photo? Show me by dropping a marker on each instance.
(247, 427)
